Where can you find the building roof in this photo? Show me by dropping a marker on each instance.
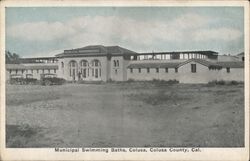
(42, 67)
(39, 66)
(96, 50)
(226, 58)
(232, 64)
(201, 61)
(15, 66)
(153, 64)
(241, 54)
(235, 64)
(204, 52)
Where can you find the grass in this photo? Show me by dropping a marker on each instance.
(137, 114)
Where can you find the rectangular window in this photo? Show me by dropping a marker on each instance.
(193, 68)
(16, 71)
(37, 71)
(157, 70)
(100, 72)
(139, 70)
(31, 70)
(10, 71)
(49, 70)
(131, 70)
(148, 70)
(43, 71)
(176, 70)
(96, 73)
(228, 70)
(54, 70)
(166, 70)
(93, 72)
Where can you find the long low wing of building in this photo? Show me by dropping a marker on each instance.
(105, 63)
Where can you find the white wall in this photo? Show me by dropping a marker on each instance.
(65, 72)
(162, 75)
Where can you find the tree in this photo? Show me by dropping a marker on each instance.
(11, 58)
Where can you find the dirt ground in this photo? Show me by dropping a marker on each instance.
(136, 114)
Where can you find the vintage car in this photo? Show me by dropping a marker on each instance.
(51, 79)
(18, 79)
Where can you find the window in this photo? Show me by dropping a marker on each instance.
(37, 71)
(31, 70)
(16, 71)
(43, 71)
(176, 70)
(62, 64)
(114, 63)
(49, 70)
(54, 70)
(131, 70)
(96, 72)
(139, 70)
(148, 70)
(117, 63)
(10, 71)
(193, 68)
(157, 70)
(228, 70)
(166, 70)
(22, 71)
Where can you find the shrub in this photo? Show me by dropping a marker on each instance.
(221, 82)
(172, 81)
(234, 83)
(130, 80)
(52, 81)
(110, 80)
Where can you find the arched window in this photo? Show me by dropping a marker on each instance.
(117, 63)
(84, 65)
(73, 69)
(114, 63)
(96, 68)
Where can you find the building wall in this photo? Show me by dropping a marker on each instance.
(65, 73)
(235, 74)
(144, 75)
(118, 72)
(202, 74)
(184, 75)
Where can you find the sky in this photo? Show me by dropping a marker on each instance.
(47, 31)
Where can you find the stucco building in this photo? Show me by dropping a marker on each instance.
(104, 63)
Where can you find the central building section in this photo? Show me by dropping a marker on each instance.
(94, 63)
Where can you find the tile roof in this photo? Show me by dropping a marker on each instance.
(96, 50)
(42, 67)
(21, 66)
(154, 65)
(232, 64)
(201, 61)
(15, 66)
